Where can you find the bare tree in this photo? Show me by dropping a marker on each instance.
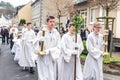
(107, 5)
(59, 8)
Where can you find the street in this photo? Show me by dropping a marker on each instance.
(29, 23)
(9, 70)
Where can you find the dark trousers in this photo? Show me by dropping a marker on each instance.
(11, 44)
(3, 39)
(7, 38)
(108, 47)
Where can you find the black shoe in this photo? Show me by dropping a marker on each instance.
(12, 53)
(25, 69)
(3, 43)
(31, 70)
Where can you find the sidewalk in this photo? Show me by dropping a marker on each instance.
(116, 54)
(110, 69)
(111, 77)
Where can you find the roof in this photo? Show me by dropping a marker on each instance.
(34, 2)
(18, 8)
(2, 7)
(2, 11)
(3, 16)
(77, 2)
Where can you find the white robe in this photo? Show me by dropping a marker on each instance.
(93, 64)
(23, 30)
(14, 46)
(66, 71)
(27, 57)
(17, 49)
(47, 64)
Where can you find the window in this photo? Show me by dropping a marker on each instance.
(102, 12)
(79, 1)
(84, 14)
(92, 15)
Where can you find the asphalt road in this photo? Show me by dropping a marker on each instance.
(9, 70)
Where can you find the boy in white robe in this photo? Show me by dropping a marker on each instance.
(68, 56)
(15, 29)
(27, 57)
(24, 28)
(93, 65)
(47, 62)
(17, 48)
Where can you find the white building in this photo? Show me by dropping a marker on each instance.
(36, 13)
(91, 13)
(40, 13)
(4, 21)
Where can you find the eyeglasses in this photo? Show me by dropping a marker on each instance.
(98, 27)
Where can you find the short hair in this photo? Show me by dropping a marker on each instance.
(96, 24)
(71, 24)
(50, 17)
(14, 25)
(29, 23)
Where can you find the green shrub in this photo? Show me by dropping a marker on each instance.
(83, 56)
(107, 60)
(115, 59)
(85, 49)
(22, 22)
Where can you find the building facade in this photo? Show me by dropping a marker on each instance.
(36, 13)
(23, 13)
(4, 21)
(40, 13)
(91, 13)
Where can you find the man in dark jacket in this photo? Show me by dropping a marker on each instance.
(11, 39)
(109, 40)
(6, 35)
(3, 35)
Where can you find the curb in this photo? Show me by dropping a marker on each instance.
(108, 70)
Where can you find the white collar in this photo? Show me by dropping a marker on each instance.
(52, 31)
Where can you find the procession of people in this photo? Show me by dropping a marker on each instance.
(55, 56)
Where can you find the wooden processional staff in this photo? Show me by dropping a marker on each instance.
(78, 20)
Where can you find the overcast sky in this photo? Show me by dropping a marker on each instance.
(17, 2)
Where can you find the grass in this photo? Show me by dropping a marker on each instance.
(106, 59)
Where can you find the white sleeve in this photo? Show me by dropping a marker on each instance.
(80, 44)
(93, 51)
(65, 51)
(55, 51)
(36, 42)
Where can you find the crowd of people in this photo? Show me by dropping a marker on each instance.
(56, 62)
(5, 34)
